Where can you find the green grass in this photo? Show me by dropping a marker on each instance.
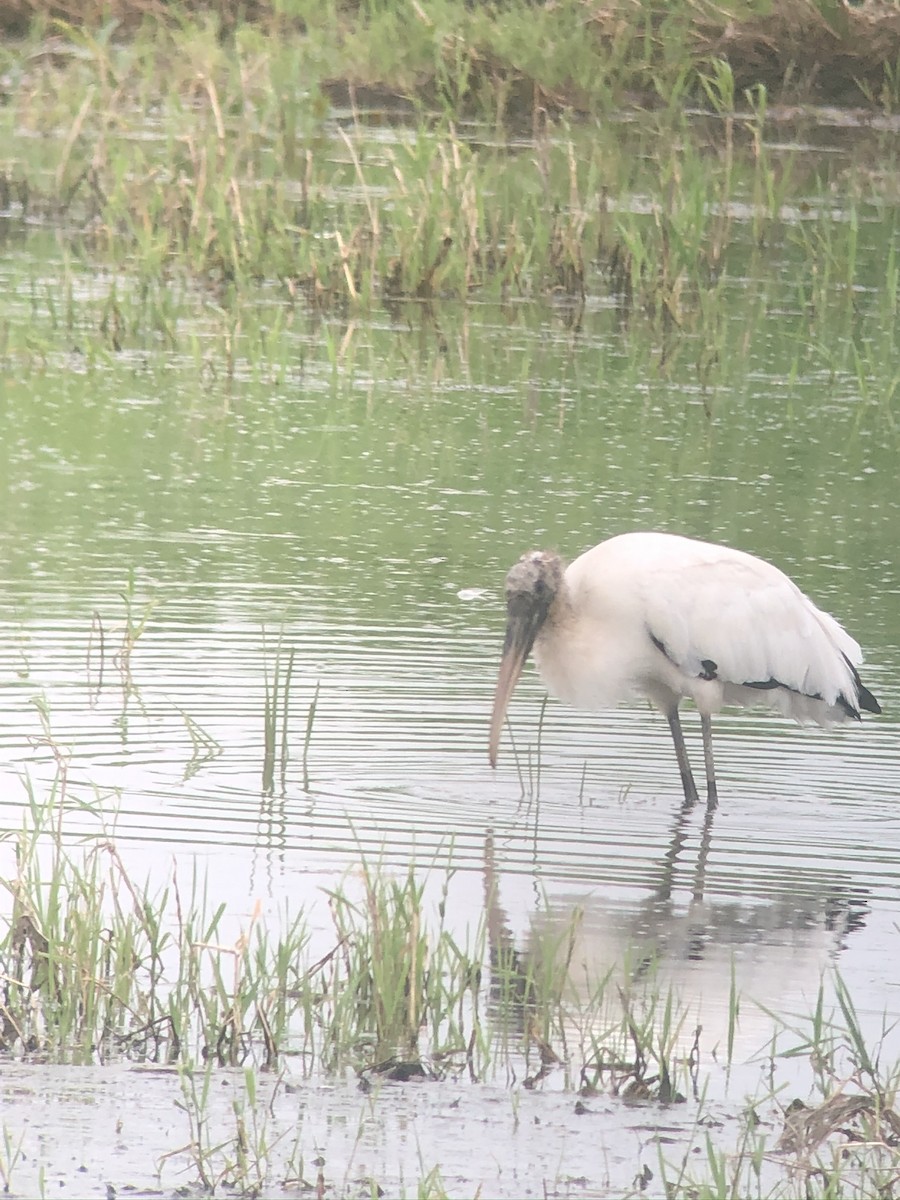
(98, 968)
(839, 1138)
(198, 180)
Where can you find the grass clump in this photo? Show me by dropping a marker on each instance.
(841, 1138)
(96, 968)
(402, 998)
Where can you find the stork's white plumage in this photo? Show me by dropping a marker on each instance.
(666, 618)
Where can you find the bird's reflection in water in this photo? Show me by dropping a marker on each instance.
(771, 943)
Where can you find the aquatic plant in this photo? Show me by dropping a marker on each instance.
(220, 185)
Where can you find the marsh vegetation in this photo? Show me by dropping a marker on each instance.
(312, 314)
(100, 970)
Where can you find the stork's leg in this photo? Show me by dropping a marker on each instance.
(712, 795)
(687, 779)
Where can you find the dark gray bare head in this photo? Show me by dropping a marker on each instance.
(532, 587)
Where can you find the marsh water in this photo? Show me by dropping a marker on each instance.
(353, 495)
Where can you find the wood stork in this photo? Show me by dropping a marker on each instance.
(666, 618)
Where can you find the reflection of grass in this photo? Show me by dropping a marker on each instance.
(204, 746)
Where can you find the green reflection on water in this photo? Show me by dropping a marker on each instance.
(408, 456)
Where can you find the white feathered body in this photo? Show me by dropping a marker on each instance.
(665, 617)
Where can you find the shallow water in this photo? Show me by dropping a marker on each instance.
(360, 506)
(111, 1124)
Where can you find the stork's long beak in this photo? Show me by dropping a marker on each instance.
(521, 629)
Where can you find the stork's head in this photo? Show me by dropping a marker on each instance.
(532, 587)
